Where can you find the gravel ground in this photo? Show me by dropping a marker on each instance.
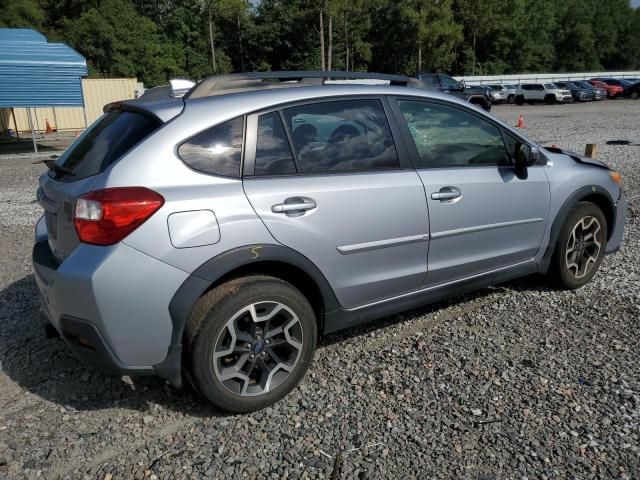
(513, 382)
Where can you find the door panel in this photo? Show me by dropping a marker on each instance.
(482, 216)
(368, 233)
(497, 221)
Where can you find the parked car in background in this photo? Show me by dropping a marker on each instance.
(633, 91)
(512, 92)
(500, 94)
(578, 93)
(548, 93)
(599, 93)
(213, 238)
(613, 91)
(479, 95)
(619, 82)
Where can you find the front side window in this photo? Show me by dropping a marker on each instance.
(217, 151)
(273, 155)
(450, 137)
(341, 136)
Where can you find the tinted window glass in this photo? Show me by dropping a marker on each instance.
(350, 135)
(217, 150)
(449, 137)
(550, 86)
(273, 155)
(428, 79)
(110, 137)
(448, 82)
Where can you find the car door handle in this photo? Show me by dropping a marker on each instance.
(294, 205)
(446, 193)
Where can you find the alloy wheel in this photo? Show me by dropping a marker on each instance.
(583, 247)
(258, 348)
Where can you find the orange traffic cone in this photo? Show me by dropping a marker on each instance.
(49, 129)
(520, 122)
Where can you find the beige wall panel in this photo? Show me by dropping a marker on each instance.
(97, 93)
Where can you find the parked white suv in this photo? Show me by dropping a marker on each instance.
(542, 92)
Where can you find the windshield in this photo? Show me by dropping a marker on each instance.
(550, 86)
(110, 137)
(583, 84)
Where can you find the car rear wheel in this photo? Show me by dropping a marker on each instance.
(580, 247)
(511, 98)
(550, 99)
(249, 342)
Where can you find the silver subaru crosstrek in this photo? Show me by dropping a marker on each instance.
(214, 237)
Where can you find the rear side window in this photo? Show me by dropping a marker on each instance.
(273, 155)
(217, 151)
(108, 139)
(429, 80)
(342, 136)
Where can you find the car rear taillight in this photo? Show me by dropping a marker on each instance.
(105, 217)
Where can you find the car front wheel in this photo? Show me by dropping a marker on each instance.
(250, 341)
(580, 247)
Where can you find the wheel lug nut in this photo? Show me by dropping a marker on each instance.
(252, 356)
(264, 354)
(248, 345)
(266, 342)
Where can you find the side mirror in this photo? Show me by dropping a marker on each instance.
(525, 157)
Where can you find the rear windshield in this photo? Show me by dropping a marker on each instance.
(110, 137)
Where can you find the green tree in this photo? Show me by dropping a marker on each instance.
(118, 42)
(21, 14)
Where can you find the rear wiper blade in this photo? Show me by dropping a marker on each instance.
(51, 164)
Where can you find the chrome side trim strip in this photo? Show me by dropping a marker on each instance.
(391, 242)
(440, 285)
(480, 228)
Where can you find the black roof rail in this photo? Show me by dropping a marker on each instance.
(237, 82)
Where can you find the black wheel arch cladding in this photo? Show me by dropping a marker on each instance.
(586, 193)
(221, 265)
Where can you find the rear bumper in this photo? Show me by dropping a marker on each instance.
(111, 306)
(615, 240)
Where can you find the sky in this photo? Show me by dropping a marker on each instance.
(635, 3)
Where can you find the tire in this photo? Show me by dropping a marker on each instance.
(519, 100)
(550, 99)
(265, 359)
(575, 260)
(511, 98)
(634, 95)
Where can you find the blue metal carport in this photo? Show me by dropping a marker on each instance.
(35, 73)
